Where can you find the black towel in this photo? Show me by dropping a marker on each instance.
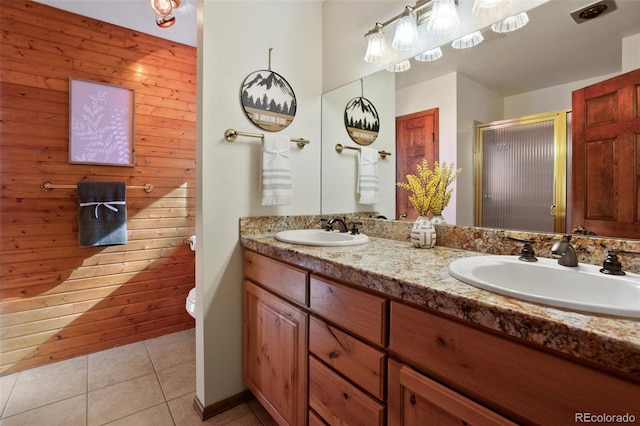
(102, 214)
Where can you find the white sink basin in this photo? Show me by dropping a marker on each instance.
(320, 237)
(582, 288)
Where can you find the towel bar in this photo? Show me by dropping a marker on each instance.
(340, 148)
(48, 186)
(231, 135)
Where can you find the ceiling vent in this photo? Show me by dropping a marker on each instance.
(593, 11)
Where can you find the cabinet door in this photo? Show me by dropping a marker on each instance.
(415, 399)
(275, 354)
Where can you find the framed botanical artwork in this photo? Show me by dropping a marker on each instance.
(101, 124)
(268, 100)
(361, 121)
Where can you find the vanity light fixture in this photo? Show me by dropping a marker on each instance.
(376, 46)
(407, 32)
(406, 36)
(400, 66)
(430, 55)
(467, 41)
(444, 17)
(512, 23)
(487, 7)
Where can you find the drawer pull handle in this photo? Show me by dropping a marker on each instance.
(412, 399)
(333, 355)
(345, 395)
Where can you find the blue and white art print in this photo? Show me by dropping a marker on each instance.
(101, 124)
(268, 100)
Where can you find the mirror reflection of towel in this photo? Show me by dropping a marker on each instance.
(368, 175)
(277, 188)
(102, 214)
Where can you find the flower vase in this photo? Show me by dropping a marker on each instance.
(437, 219)
(423, 233)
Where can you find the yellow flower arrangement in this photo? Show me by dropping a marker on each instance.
(429, 187)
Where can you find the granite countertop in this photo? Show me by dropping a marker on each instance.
(420, 277)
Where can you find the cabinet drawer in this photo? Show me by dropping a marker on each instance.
(338, 401)
(286, 280)
(361, 313)
(522, 382)
(349, 356)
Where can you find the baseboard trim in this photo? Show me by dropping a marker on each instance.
(220, 406)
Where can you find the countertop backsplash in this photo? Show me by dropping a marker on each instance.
(591, 250)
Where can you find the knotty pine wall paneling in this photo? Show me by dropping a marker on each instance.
(58, 300)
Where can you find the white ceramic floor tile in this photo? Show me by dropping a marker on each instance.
(179, 380)
(44, 385)
(68, 412)
(6, 386)
(154, 416)
(248, 420)
(123, 399)
(172, 349)
(118, 365)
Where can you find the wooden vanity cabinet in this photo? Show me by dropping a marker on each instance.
(318, 351)
(528, 385)
(275, 338)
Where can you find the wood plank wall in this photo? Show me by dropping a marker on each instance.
(58, 300)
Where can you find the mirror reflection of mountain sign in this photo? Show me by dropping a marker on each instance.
(268, 100)
(361, 121)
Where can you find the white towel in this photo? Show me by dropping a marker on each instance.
(368, 175)
(277, 188)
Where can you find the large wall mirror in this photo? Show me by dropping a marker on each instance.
(529, 71)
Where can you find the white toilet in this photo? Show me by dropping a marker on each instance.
(190, 304)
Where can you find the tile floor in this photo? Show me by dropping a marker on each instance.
(145, 383)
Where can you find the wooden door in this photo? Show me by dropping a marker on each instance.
(606, 157)
(416, 400)
(416, 139)
(275, 354)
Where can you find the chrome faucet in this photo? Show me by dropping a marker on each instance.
(564, 251)
(341, 225)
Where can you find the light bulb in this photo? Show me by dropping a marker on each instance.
(486, 7)
(406, 35)
(376, 47)
(512, 23)
(444, 17)
(468, 41)
(161, 7)
(430, 55)
(400, 66)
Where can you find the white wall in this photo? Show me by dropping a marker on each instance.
(436, 93)
(631, 53)
(234, 41)
(339, 171)
(559, 97)
(476, 104)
